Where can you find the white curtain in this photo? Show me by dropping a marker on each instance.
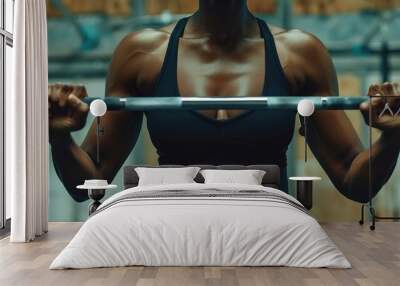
(27, 124)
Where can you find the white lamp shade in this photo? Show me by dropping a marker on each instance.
(98, 108)
(305, 107)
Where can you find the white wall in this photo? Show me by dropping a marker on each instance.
(9, 65)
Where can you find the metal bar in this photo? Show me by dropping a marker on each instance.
(358, 50)
(98, 140)
(386, 217)
(88, 41)
(252, 103)
(305, 140)
(147, 21)
(6, 34)
(370, 203)
(138, 7)
(285, 11)
(385, 62)
(9, 42)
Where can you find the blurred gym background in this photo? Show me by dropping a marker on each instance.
(363, 37)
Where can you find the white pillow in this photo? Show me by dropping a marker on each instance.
(166, 176)
(247, 177)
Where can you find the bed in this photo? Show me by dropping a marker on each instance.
(199, 224)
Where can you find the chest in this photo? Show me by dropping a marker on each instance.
(206, 71)
(202, 70)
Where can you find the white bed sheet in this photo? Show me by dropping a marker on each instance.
(200, 232)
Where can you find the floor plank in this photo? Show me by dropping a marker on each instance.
(375, 257)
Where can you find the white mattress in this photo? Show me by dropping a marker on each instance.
(200, 231)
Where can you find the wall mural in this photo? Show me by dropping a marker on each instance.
(84, 60)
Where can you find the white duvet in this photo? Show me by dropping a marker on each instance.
(200, 231)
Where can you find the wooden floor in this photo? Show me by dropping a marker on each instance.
(375, 257)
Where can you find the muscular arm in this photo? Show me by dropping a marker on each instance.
(332, 137)
(76, 163)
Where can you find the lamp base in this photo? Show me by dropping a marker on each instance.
(96, 196)
(305, 193)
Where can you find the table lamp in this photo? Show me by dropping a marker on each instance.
(305, 108)
(98, 108)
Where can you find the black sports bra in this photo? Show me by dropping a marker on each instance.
(253, 137)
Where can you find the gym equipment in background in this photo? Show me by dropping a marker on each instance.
(374, 216)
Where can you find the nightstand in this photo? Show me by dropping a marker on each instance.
(305, 190)
(96, 190)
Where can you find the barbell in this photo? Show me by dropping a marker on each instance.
(250, 103)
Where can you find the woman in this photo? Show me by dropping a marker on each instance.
(221, 50)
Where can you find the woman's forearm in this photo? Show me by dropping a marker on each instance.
(72, 164)
(384, 156)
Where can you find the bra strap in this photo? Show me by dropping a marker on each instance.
(274, 73)
(168, 84)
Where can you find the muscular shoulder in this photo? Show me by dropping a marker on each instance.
(137, 60)
(302, 44)
(144, 41)
(305, 58)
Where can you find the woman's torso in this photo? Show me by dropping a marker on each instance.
(243, 137)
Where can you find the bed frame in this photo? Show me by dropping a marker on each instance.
(271, 177)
